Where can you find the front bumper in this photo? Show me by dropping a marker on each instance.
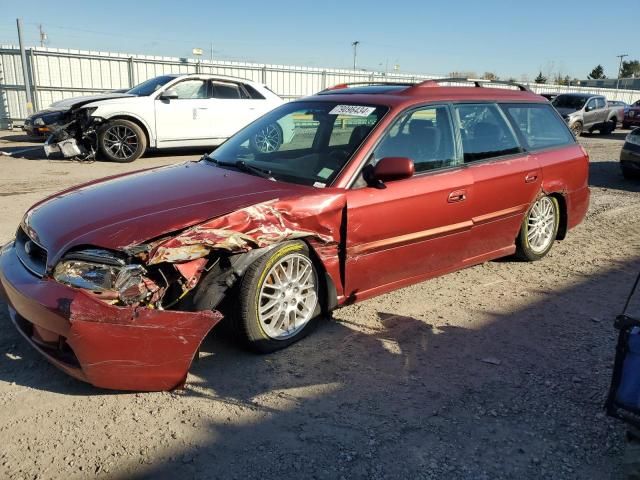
(121, 348)
(68, 148)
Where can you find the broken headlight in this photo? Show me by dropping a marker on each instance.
(91, 269)
(102, 271)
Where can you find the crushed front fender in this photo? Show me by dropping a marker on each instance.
(122, 348)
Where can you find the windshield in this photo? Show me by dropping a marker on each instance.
(146, 88)
(302, 142)
(569, 101)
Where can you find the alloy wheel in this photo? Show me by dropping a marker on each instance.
(268, 139)
(288, 297)
(541, 224)
(120, 141)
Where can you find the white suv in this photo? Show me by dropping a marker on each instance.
(163, 112)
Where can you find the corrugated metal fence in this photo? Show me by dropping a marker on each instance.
(59, 73)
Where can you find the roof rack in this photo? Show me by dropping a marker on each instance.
(431, 82)
(478, 82)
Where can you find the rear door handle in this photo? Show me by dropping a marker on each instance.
(457, 196)
(531, 177)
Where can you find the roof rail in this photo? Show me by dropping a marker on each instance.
(349, 84)
(478, 82)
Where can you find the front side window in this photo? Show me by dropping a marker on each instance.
(591, 105)
(424, 135)
(302, 142)
(190, 89)
(539, 125)
(600, 103)
(485, 132)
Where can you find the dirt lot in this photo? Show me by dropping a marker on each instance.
(497, 371)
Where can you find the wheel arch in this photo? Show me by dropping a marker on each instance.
(138, 121)
(563, 226)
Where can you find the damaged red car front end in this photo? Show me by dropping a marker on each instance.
(105, 306)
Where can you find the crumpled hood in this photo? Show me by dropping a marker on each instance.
(68, 103)
(129, 209)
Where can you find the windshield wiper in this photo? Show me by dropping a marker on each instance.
(241, 165)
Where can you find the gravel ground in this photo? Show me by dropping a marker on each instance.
(497, 371)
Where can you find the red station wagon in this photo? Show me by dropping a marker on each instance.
(118, 281)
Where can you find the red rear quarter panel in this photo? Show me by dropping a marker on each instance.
(566, 171)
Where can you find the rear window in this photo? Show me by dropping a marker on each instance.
(539, 126)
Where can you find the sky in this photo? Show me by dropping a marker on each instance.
(509, 38)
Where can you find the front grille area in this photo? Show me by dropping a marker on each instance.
(31, 255)
(59, 350)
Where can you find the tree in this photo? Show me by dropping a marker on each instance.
(490, 76)
(540, 78)
(630, 69)
(597, 73)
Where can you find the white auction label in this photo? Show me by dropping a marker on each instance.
(352, 110)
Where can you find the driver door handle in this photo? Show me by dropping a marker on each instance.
(457, 196)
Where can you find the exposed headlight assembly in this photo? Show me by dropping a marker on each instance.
(102, 271)
(38, 121)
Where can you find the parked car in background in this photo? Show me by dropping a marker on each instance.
(163, 112)
(118, 281)
(549, 96)
(586, 113)
(632, 116)
(630, 155)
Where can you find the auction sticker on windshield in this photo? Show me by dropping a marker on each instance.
(352, 110)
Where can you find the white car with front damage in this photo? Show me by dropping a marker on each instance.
(164, 112)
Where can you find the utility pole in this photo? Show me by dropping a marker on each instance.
(355, 53)
(620, 69)
(43, 36)
(25, 71)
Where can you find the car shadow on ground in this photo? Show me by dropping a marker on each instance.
(616, 135)
(23, 138)
(609, 175)
(353, 399)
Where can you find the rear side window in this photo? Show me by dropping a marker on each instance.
(538, 125)
(226, 91)
(485, 132)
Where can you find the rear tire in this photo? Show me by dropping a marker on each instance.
(608, 127)
(279, 298)
(539, 229)
(121, 141)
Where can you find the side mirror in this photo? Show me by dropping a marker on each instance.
(393, 168)
(169, 94)
(588, 108)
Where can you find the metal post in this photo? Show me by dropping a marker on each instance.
(25, 69)
(130, 68)
(355, 53)
(264, 74)
(620, 69)
(34, 83)
(324, 80)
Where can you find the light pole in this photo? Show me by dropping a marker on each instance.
(355, 53)
(620, 69)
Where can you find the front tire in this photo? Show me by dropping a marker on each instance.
(279, 298)
(539, 229)
(121, 141)
(577, 129)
